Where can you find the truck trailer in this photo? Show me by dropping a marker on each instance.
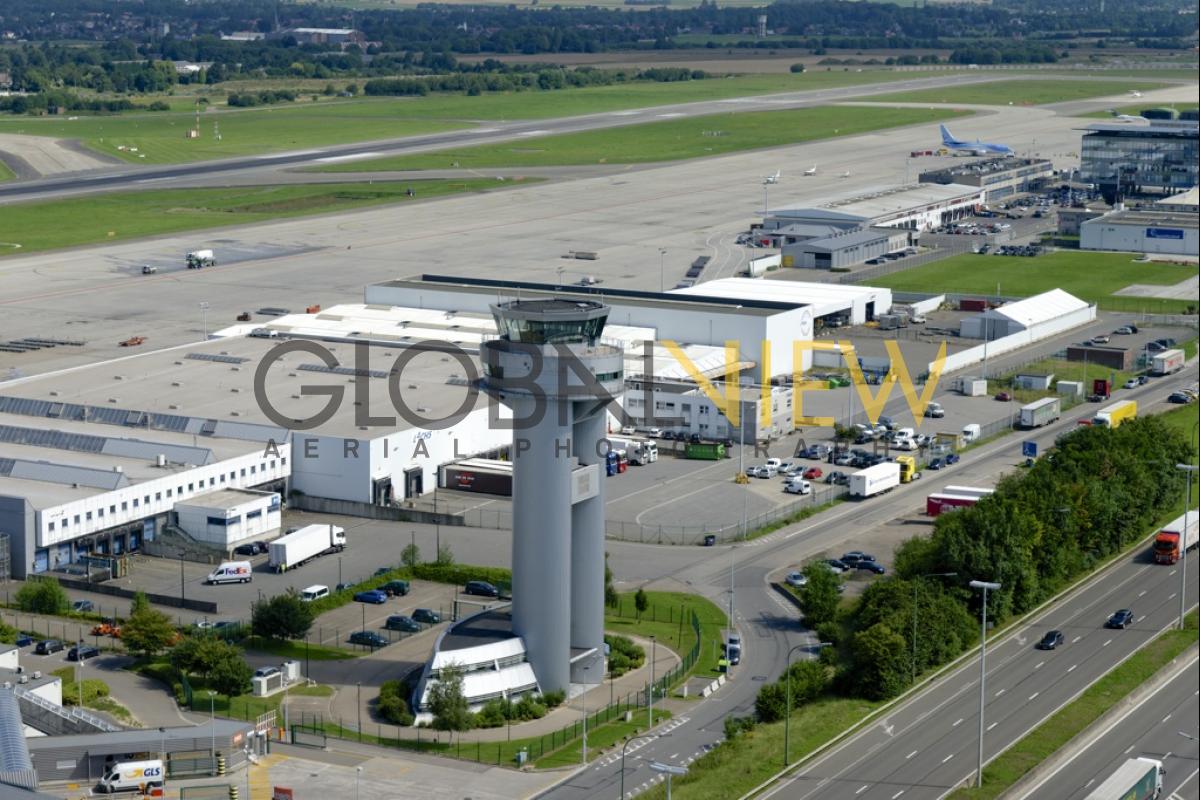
(875, 480)
(1136, 779)
(639, 451)
(1112, 416)
(301, 546)
(1175, 537)
(969, 491)
(483, 475)
(1167, 361)
(939, 503)
(1041, 412)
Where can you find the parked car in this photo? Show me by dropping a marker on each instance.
(23, 640)
(888, 423)
(481, 589)
(1004, 397)
(837, 478)
(845, 460)
(870, 566)
(395, 588)
(369, 638)
(812, 473)
(797, 486)
(250, 549)
(710, 540)
(48, 646)
(763, 471)
(628, 430)
(951, 458)
(1182, 398)
(796, 580)
(1155, 347)
(1132, 383)
(1124, 330)
(400, 622)
(82, 653)
(854, 556)
(836, 565)
(937, 463)
(202, 624)
(266, 672)
(1051, 640)
(382, 571)
(1100, 339)
(375, 596)
(426, 616)
(1120, 619)
(83, 606)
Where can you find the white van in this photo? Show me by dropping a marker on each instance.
(902, 433)
(130, 776)
(315, 592)
(970, 432)
(231, 572)
(797, 486)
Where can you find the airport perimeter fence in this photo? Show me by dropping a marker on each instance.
(314, 729)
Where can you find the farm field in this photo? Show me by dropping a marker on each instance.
(670, 140)
(1021, 92)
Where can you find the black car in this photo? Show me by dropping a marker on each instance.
(1179, 397)
(48, 646)
(1121, 619)
(837, 565)
(23, 640)
(710, 539)
(870, 566)
(396, 588)
(854, 556)
(250, 549)
(426, 615)
(382, 571)
(481, 588)
(82, 653)
(369, 638)
(400, 622)
(1051, 640)
(83, 606)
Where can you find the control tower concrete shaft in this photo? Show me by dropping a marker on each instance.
(550, 367)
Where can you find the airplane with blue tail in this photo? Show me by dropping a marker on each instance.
(975, 148)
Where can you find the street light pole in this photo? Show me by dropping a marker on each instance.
(212, 712)
(628, 742)
(204, 312)
(650, 702)
(662, 270)
(916, 583)
(787, 717)
(583, 700)
(985, 587)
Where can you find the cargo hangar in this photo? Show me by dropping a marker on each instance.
(102, 460)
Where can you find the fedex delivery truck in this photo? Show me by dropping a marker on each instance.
(231, 572)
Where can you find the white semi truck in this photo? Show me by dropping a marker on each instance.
(875, 480)
(1136, 779)
(305, 544)
(639, 451)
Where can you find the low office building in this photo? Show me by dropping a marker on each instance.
(229, 517)
(844, 248)
(685, 409)
(829, 304)
(997, 177)
(916, 207)
(1143, 230)
(1118, 358)
(1128, 159)
(1070, 220)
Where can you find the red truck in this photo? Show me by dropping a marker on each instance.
(1176, 537)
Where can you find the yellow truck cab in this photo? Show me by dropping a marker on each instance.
(908, 469)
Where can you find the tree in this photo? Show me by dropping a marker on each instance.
(147, 630)
(392, 704)
(43, 596)
(448, 703)
(819, 598)
(610, 592)
(640, 602)
(139, 603)
(445, 556)
(231, 675)
(410, 556)
(222, 665)
(880, 663)
(8, 634)
(284, 616)
(797, 67)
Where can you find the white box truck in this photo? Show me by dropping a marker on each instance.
(231, 572)
(1040, 412)
(130, 776)
(875, 480)
(299, 547)
(1167, 361)
(1136, 779)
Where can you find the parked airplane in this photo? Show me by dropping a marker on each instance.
(846, 174)
(1135, 93)
(773, 178)
(975, 148)
(1126, 117)
(811, 170)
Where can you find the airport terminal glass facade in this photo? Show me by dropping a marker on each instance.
(1130, 158)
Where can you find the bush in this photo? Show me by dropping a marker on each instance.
(797, 68)
(528, 708)
(735, 726)
(284, 616)
(8, 634)
(554, 699)
(461, 573)
(624, 655)
(43, 596)
(494, 714)
(393, 704)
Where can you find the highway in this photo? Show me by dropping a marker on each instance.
(927, 744)
(175, 175)
(1153, 728)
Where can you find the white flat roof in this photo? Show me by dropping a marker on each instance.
(824, 298)
(1189, 198)
(870, 205)
(1039, 308)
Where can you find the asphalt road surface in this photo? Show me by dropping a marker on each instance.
(927, 744)
(1155, 729)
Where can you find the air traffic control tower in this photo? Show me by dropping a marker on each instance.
(550, 367)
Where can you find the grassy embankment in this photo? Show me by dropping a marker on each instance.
(111, 217)
(669, 140)
(1021, 92)
(159, 136)
(1094, 277)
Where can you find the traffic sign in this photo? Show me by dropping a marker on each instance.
(1029, 449)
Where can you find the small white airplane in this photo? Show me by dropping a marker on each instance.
(1126, 117)
(1134, 93)
(811, 170)
(773, 178)
(846, 174)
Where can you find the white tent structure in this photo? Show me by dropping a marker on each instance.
(1055, 306)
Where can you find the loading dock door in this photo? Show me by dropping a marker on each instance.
(414, 482)
(381, 492)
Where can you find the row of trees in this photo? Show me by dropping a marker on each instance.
(1099, 490)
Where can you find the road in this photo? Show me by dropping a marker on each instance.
(926, 745)
(1154, 729)
(136, 176)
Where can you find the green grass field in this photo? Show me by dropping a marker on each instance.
(131, 215)
(6, 174)
(662, 620)
(669, 140)
(1020, 92)
(1089, 276)
(159, 137)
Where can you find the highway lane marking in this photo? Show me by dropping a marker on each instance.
(533, 133)
(1002, 691)
(1164, 719)
(1076, 639)
(1039, 664)
(862, 789)
(1142, 593)
(956, 724)
(1072, 668)
(1128, 749)
(994, 724)
(897, 794)
(1034, 695)
(673, 756)
(910, 755)
(947, 758)
(1107, 643)
(1142, 617)
(350, 157)
(671, 115)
